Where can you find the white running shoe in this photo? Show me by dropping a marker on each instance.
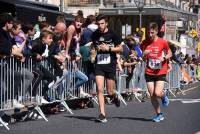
(84, 94)
(58, 82)
(43, 101)
(16, 104)
(51, 84)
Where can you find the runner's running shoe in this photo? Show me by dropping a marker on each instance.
(159, 117)
(101, 118)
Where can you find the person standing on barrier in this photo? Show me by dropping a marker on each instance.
(40, 51)
(107, 44)
(156, 69)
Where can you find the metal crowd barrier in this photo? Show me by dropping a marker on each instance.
(15, 76)
(173, 79)
(172, 83)
(137, 83)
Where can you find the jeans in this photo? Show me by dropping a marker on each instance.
(41, 73)
(28, 78)
(81, 78)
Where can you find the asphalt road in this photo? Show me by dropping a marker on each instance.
(180, 118)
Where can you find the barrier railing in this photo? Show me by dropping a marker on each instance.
(25, 83)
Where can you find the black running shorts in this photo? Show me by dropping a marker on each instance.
(153, 78)
(108, 72)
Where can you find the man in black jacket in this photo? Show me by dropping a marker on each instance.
(6, 49)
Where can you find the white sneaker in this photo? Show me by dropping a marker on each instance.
(51, 84)
(58, 82)
(84, 94)
(16, 104)
(43, 101)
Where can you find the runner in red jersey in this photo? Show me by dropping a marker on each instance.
(157, 53)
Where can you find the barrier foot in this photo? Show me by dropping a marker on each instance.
(38, 109)
(171, 92)
(67, 107)
(178, 89)
(4, 124)
(95, 100)
(136, 96)
(121, 98)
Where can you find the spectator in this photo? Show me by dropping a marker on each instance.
(43, 26)
(29, 32)
(40, 51)
(6, 49)
(73, 35)
(85, 43)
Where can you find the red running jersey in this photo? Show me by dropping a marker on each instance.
(158, 49)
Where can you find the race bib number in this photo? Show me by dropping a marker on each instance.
(103, 59)
(154, 64)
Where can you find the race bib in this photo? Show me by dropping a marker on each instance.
(155, 64)
(103, 59)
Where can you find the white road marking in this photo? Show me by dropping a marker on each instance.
(186, 100)
(192, 101)
(197, 132)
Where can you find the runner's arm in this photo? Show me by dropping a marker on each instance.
(116, 49)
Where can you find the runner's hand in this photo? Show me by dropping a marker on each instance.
(161, 59)
(104, 47)
(147, 52)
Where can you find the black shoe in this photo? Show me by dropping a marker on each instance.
(116, 101)
(101, 118)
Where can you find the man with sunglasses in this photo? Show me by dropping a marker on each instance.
(157, 53)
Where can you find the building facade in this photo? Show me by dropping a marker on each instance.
(177, 15)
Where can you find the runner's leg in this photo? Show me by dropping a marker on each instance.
(100, 88)
(154, 101)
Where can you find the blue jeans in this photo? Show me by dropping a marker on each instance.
(81, 78)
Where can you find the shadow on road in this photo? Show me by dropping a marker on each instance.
(94, 119)
(133, 118)
(82, 118)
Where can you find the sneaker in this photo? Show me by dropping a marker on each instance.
(58, 82)
(84, 94)
(101, 118)
(43, 101)
(51, 84)
(18, 105)
(116, 101)
(165, 101)
(158, 118)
